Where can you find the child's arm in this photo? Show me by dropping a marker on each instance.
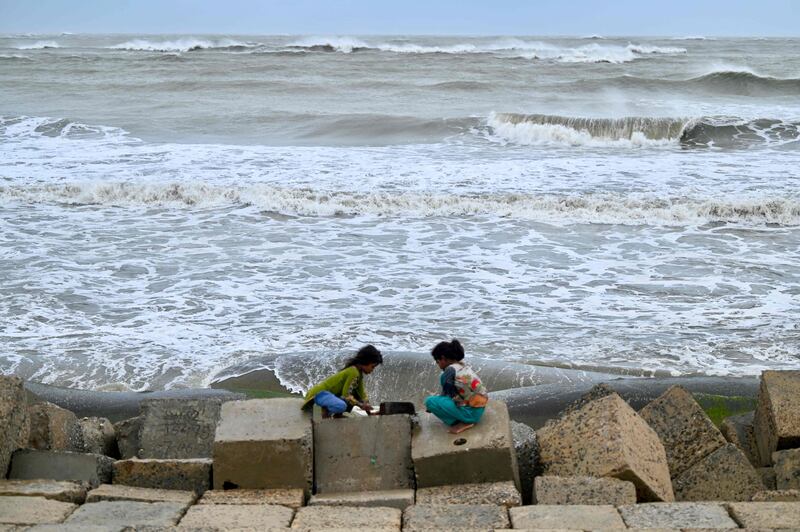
(353, 390)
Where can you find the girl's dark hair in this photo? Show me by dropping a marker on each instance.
(366, 355)
(452, 350)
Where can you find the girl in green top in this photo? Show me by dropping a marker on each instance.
(344, 390)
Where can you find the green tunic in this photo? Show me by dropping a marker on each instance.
(347, 384)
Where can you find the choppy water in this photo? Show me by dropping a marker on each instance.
(172, 206)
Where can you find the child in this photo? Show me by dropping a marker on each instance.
(344, 390)
(463, 396)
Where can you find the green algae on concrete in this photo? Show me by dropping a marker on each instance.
(718, 407)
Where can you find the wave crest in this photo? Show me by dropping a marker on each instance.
(183, 45)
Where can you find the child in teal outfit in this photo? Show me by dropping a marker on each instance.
(463, 398)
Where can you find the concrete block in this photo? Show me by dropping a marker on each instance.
(190, 474)
(583, 490)
(496, 493)
(98, 436)
(766, 514)
(787, 469)
(400, 499)
(347, 517)
(119, 492)
(738, 430)
(178, 428)
(53, 428)
(724, 475)
(61, 465)
(56, 490)
(263, 443)
(676, 515)
(776, 424)
(455, 517)
(687, 433)
(127, 513)
(238, 516)
(16, 424)
(768, 478)
(606, 438)
(526, 447)
(291, 498)
(78, 527)
(127, 432)
(574, 517)
(777, 496)
(484, 453)
(33, 510)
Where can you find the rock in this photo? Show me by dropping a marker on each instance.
(738, 430)
(583, 490)
(291, 498)
(455, 517)
(56, 490)
(676, 515)
(776, 424)
(98, 436)
(575, 517)
(685, 430)
(399, 499)
(33, 510)
(526, 448)
(767, 475)
(61, 465)
(606, 438)
(263, 443)
(724, 475)
(766, 514)
(777, 496)
(787, 469)
(376, 455)
(53, 428)
(494, 493)
(127, 432)
(190, 474)
(598, 391)
(16, 425)
(127, 513)
(484, 453)
(238, 516)
(119, 492)
(346, 517)
(178, 428)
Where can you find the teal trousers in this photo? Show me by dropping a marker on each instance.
(446, 409)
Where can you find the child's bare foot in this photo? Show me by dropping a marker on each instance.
(338, 416)
(458, 428)
(325, 413)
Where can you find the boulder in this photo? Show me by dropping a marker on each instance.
(684, 428)
(399, 499)
(120, 492)
(776, 424)
(53, 428)
(16, 425)
(127, 513)
(347, 518)
(178, 428)
(724, 475)
(495, 493)
(787, 469)
(526, 448)
(291, 498)
(573, 517)
(606, 438)
(363, 454)
(93, 469)
(484, 453)
(33, 510)
(677, 515)
(583, 490)
(774, 515)
(189, 474)
(777, 496)
(237, 517)
(127, 432)
(56, 490)
(98, 436)
(455, 517)
(263, 443)
(738, 430)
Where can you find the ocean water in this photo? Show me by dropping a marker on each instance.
(174, 206)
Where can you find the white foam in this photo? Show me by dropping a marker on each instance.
(178, 45)
(38, 45)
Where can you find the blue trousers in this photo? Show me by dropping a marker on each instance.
(448, 411)
(330, 402)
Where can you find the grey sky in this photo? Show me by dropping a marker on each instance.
(465, 17)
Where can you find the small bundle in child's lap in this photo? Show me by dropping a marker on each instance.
(463, 397)
(342, 391)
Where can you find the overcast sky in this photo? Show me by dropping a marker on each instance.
(463, 17)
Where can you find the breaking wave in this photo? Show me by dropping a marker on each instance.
(38, 45)
(184, 45)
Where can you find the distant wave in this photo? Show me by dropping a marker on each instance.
(691, 38)
(21, 126)
(183, 45)
(744, 81)
(38, 45)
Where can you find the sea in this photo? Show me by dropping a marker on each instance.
(173, 206)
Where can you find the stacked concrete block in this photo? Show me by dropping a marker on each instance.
(29, 464)
(455, 517)
(178, 428)
(53, 428)
(606, 438)
(237, 517)
(776, 424)
(127, 432)
(679, 515)
(724, 475)
(526, 448)
(494, 493)
(347, 518)
(56, 490)
(291, 498)
(738, 430)
(400, 499)
(766, 515)
(16, 425)
(190, 474)
(126, 514)
(777, 496)
(120, 492)
(98, 436)
(33, 510)
(583, 490)
(787, 469)
(557, 517)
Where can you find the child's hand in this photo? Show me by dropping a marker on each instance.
(366, 407)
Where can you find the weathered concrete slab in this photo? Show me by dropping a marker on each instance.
(263, 443)
(400, 499)
(684, 428)
(455, 517)
(98, 436)
(61, 465)
(128, 513)
(676, 515)
(575, 517)
(190, 474)
(347, 517)
(583, 490)
(78, 527)
(291, 498)
(787, 469)
(33, 510)
(53, 428)
(526, 447)
(57, 490)
(485, 453)
(724, 475)
(178, 428)
(237, 516)
(606, 438)
(777, 496)
(377, 455)
(767, 475)
(495, 493)
(16, 425)
(766, 514)
(738, 430)
(127, 432)
(776, 425)
(119, 492)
